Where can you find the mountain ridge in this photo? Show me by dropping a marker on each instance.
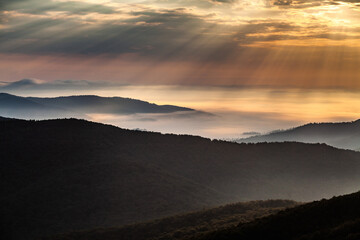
(345, 135)
(79, 106)
(74, 174)
(333, 219)
(184, 226)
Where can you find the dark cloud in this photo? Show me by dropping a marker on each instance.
(251, 133)
(334, 36)
(349, 1)
(274, 30)
(157, 34)
(270, 31)
(40, 7)
(299, 4)
(283, 2)
(160, 35)
(151, 33)
(224, 1)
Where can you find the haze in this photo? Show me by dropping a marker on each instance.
(256, 65)
(233, 112)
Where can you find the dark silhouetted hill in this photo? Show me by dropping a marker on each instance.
(5, 119)
(185, 226)
(334, 219)
(66, 175)
(344, 135)
(77, 106)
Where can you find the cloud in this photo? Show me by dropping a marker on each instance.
(250, 133)
(24, 83)
(222, 125)
(198, 41)
(38, 85)
(224, 1)
(41, 7)
(303, 4)
(283, 2)
(164, 33)
(161, 34)
(347, 1)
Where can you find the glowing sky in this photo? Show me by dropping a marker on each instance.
(235, 111)
(282, 62)
(305, 43)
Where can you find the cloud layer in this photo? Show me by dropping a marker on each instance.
(260, 42)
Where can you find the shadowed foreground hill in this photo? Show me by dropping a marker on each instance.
(185, 226)
(65, 175)
(334, 219)
(344, 135)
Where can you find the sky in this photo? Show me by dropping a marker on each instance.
(245, 49)
(312, 43)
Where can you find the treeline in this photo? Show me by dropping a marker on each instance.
(67, 175)
(187, 226)
(334, 219)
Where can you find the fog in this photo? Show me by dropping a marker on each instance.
(222, 112)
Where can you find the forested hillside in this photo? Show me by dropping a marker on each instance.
(334, 219)
(66, 175)
(186, 226)
(344, 135)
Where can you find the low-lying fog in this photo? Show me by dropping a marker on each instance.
(226, 112)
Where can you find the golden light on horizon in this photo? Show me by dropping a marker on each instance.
(271, 43)
(202, 52)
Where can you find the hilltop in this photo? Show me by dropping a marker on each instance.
(345, 135)
(67, 175)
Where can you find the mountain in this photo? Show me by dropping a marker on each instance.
(66, 175)
(344, 135)
(77, 106)
(19, 107)
(4, 119)
(110, 105)
(334, 219)
(181, 227)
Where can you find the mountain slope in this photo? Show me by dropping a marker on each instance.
(185, 226)
(19, 107)
(111, 105)
(65, 175)
(344, 135)
(334, 219)
(78, 106)
(4, 119)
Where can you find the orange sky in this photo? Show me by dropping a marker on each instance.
(279, 43)
(257, 65)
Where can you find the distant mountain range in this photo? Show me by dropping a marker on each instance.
(77, 106)
(66, 175)
(344, 135)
